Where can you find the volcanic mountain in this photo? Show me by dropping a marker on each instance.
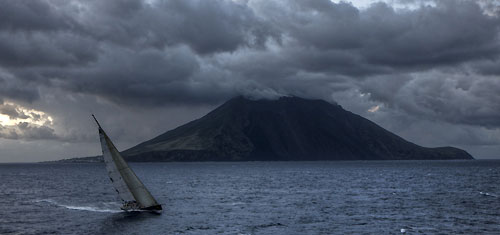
(289, 128)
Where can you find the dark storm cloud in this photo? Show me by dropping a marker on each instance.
(441, 97)
(379, 35)
(428, 61)
(147, 77)
(36, 132)
(206, 26)
(26, 15)
(488, 67)
(26, 49)
(13, 88)
(400, 58)
(127, 51)
(27, 131)
(431, 36)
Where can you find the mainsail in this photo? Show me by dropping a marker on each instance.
(129, 187)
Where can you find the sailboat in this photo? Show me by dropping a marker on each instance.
(133, 193)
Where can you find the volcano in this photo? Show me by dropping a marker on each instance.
(285, 129)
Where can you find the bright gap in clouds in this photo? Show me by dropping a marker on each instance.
(5, 120)
(12, 114)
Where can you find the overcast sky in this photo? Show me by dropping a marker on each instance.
(428, 71)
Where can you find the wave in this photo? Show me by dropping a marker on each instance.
(488, 194)
(89, 208)
(44, 200)
(80, 207)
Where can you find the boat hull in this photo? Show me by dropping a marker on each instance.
(155, 209)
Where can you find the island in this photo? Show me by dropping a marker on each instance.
(282, 129)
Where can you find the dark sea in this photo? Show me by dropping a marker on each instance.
(352, 197)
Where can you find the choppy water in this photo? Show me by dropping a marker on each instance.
(382, 197)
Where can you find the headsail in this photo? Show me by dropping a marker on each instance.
(125, 182)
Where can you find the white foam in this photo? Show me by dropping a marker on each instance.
(237, 203)
(45, 200)
(89, 208)
(488, 194)
(78, 207)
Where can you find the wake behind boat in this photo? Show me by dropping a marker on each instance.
(133, 193)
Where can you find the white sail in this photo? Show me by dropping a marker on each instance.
(126, 183)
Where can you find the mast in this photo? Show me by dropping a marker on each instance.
(95, 119)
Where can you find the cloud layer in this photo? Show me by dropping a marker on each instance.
(418, 62)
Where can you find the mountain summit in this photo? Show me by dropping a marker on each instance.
(289, 128)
